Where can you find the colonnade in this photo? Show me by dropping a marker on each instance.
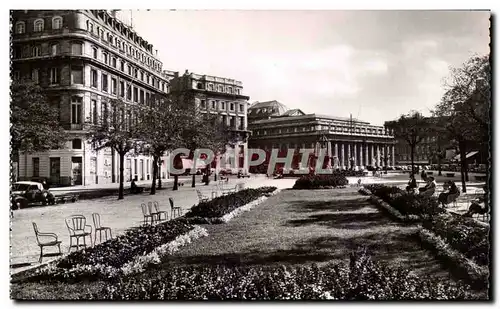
(346, 154)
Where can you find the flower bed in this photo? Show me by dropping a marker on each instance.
(359, 279)
(412, 206)
(461, 266)
(137, 248)
(393, 211)
(215, 210)
(321, 181)
(463, 235)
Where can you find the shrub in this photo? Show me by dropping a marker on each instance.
(222, 205)
(463, 235)
(383, 191)
(359, 279)
(320, 181)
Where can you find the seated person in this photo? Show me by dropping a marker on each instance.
(423, 175)
(134, 189)
(452, 191)
(479, 206)
(412, 183)
(429, 188)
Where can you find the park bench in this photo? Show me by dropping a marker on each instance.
(61, 199)
(480, 178)
(450, 174)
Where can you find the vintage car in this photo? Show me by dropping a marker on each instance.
(33, 192)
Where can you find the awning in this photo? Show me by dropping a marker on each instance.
(470, 154)
(188, 163)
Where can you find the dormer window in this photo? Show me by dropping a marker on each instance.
(57, 22)
(38, 26)
(20, 27)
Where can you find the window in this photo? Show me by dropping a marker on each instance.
(122, 66)
(199, 86)
(148, 78)
(113, 85)
(54, 76)
(57, 22)
(36, 167)
(129, 69)
(221, 88)
(113, 62)
(76, 143)
(54, 48)
(76, 48)
(136, 72)
(142, 96)
(93, 78)
(90, 26)
(36, 51)
(237, 91)
(232, 121)
(210, 87)
(163, 86)
(77, 75)
(223, 105)
(76, 110)
(38, 26)
(231, 107)
(230, 89)
(104, 82)
(202, 104)
(20, 27)
(105, 58)
(104, 112)
(214, 105)
(35, 73)
(136, 94)
(142, 75)
(129, 92)
(94, 112)
(122, 89)
(242, 108)
(147, 98)
(242, 123)
(94, 52)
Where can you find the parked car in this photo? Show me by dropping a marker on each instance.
(18, 202)
(33, 192)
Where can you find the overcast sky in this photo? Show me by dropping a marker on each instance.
(373, 64)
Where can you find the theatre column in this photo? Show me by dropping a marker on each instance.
(245, 158)
(366, 155)
(393, 158)
(372, 153)
(337, 162)
(378, 155)
(342, 159)
(355, 155)
(348, 155)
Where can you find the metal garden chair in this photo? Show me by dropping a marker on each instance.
(201, 198)
(98, 228)
(174, 209)
(77, 225)
(146, 212)
(158, 212)
(44, 243)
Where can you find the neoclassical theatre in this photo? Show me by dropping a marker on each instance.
(348, 142)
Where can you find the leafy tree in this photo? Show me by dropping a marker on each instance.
(411, 128)
(465, 107)
(35, 124)
(118, 130)
(160, 127)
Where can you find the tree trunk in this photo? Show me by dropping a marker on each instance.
(412, 154)
(176, 183)
(463, 160)
(155, 172)
(207, 173)
(122, 160)
(439, 165)
(159, 173)
(193, 182)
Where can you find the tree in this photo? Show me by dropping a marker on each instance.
(35, 124)
(160, 127)
(117, 130)
(411, 128)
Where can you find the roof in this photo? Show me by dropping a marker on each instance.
(267, 109)
(294, 112)
(470, 154)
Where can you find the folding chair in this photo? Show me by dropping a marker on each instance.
(158, 212)
(201, 198)
(146, 214)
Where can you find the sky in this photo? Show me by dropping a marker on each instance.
(375, 65)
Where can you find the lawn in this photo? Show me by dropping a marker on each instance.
(292, 227)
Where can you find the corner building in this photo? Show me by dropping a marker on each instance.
(224, 97)
(82, 58)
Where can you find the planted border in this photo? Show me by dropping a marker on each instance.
(323, 181)
(393, 211)
(459, 264)
(224, 208)
(131, 252)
